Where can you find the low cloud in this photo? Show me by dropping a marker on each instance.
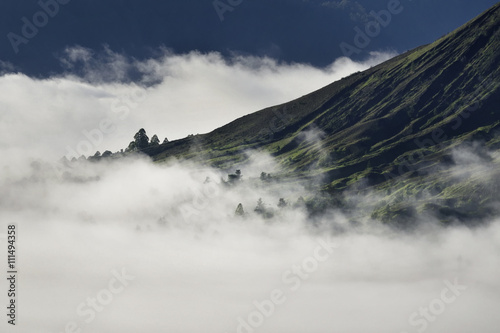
(197, 265)
(175, 95)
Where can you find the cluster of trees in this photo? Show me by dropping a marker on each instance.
(141, 141)
(265, 177)
(97, 156)
(232, 179)
(268, 212)
(236, 177)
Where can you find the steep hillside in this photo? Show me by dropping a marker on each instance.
(384, 128)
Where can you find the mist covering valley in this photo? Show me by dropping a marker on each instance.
(310, 227)
(195, 263)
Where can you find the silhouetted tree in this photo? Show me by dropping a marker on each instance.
(141, 139)
(300, 202)
(239, 210)
(265, 177)
(266, 213)
(282, 203)
(154, 141)
(260, 208)
(234, 177)
(131, 147)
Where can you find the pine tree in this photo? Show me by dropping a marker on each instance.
(131, 147)
(239, 210)
(141, 139)
(260, 208)
(154, 141)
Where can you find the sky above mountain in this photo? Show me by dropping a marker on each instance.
(37, 33)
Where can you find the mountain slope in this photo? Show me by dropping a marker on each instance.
(379, 127)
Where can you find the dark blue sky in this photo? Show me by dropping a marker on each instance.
(306, 31)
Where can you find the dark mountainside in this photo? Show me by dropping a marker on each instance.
(419, 132)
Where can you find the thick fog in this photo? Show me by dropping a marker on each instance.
(132, 246)
(176, 95)
(188, 263)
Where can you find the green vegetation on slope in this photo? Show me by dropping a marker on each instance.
(383, 128)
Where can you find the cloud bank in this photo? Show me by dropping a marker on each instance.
(171, 96)
(186, 262)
